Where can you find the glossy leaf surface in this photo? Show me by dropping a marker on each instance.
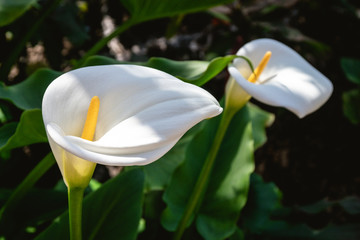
(111, 211)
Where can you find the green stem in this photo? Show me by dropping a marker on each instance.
(40, 169)
(102, 42)
(201, 184)
(5, 68)
(75, 198)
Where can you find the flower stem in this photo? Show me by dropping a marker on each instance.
(75, 198)
(202, 181)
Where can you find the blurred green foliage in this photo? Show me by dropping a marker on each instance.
(40, 40)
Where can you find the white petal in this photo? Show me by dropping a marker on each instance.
(143, 112)
(288, 80)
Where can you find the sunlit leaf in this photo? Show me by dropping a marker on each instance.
(228, 185)
(11, 10)
(111, 212)
(195, 72)
(184, 70)
(28, 94)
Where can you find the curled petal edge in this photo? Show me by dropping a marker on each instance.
(89, 151)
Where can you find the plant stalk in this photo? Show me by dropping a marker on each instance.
(201, 184)
(75, 198)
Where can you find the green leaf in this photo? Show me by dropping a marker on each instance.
(29, 93)
(38, 205)
(144, 10)
(11, 10)
(351, 105)
(6, 132)
(29, 130)
(264, 203)
(228, 184)
(238, 235)
(351, 68)
(102, 60)
(111, 212)
(158, 173)
(350, 204)
(184, 70)
(263, 200)
(195, 72)
(260, 120)
(285, 230)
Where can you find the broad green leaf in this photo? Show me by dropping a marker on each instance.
(195, 72)
(264, 203)
(6, 114)
(6, 132)
(153, 206)
(181, 69)
(283, 230)
(184, 70)
(228, 184)
(351, 68)
(102, 60)
(263, 200)
(348, 231)
(29, 93)
(12, 9)
(260, 119)
(111, 212)
(15, 201)
(39, 205)
(143, 10)
(350, 204)
(158, 173)
(29, 130)
(351, 105)
(238, 235)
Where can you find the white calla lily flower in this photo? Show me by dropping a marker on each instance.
(143, 113)
(288, 80)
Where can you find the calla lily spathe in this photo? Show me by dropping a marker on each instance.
(143, 113)
(288, 80)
